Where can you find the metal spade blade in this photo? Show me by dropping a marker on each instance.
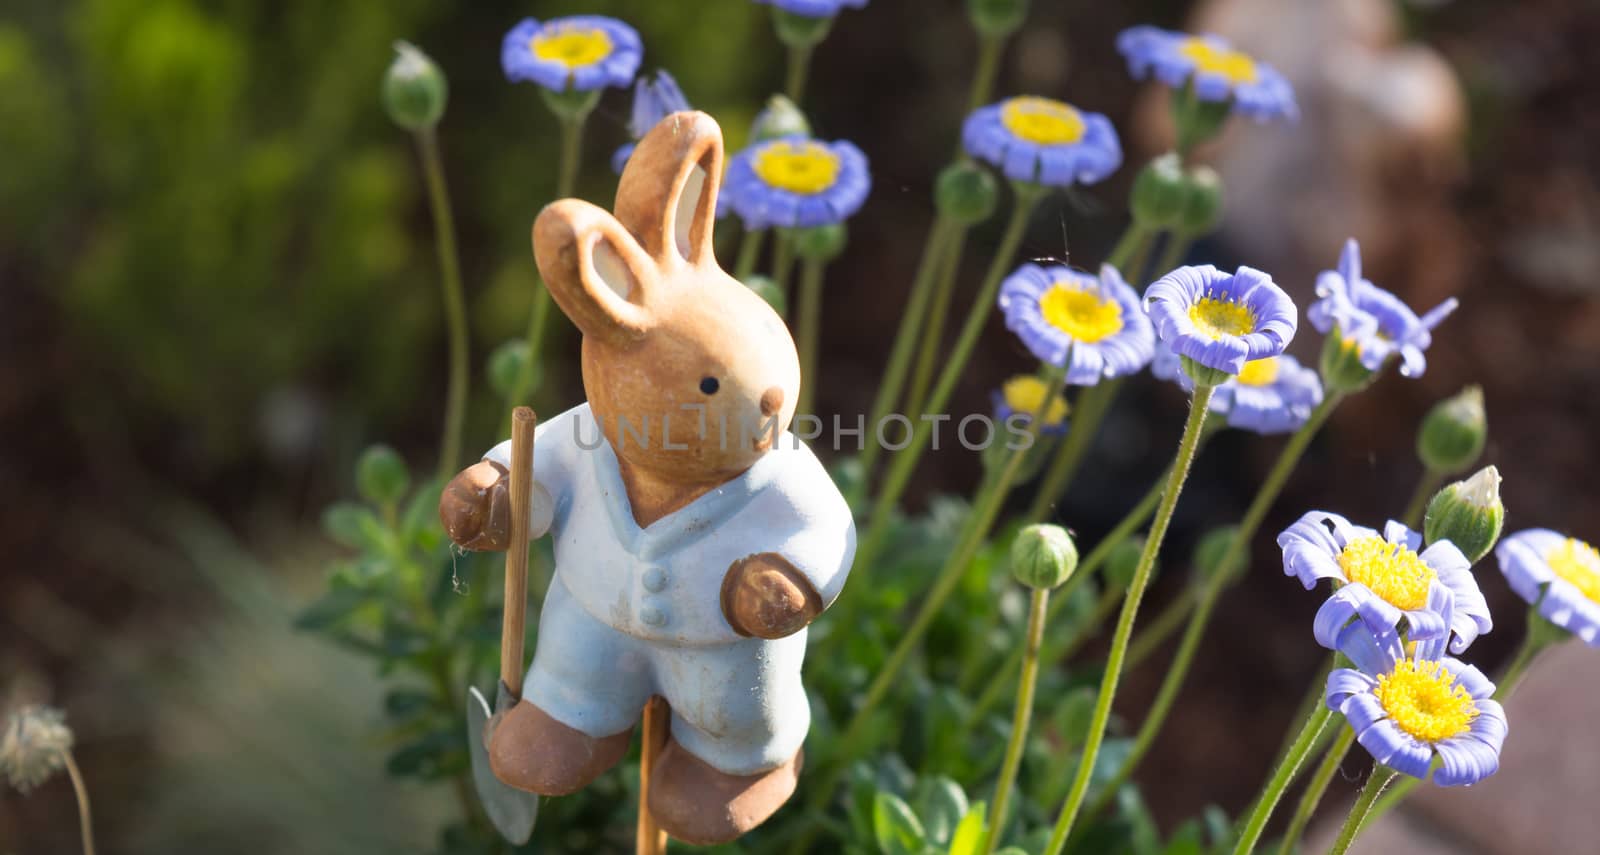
(511, 811)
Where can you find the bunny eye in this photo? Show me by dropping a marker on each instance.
(709, 385)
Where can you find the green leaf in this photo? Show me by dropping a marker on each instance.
(968, 836)
(896, 827)
(334, 606)
(942, 805)
(401, 703)
(1185, 841)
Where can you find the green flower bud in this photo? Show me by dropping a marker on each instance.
(1453, 433)
(508, 366)
(1204, 375)
(997, 17)
(1043, 556)
(1202, 201)
(1123, 562)
(1342, 370)
(1468, 513)
(819, 243)
(781, 118)
(768, 290)
(381, 476)
(799, 31)
(1211, 549)
(1160, 193)
(966, 193)
(414, 89)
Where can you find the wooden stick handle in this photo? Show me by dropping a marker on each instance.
(514, 621)
(649, 839)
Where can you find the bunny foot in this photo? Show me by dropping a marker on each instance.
(695, 803)
(531, 751)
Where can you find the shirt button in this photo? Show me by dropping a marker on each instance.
(653, 616)
(655, 580)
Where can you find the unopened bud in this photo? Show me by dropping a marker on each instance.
(414, 89)
(1202, 201)
(997, 17)
(1160, 193)
(1043, 556)
(1123, 562)
(381, 476)
(1454, 432)
(780, 118)
(1468, 513)
(966, 193)
(1212, 548)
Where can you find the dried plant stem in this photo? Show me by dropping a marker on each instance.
(1187, 446)
(85, 823)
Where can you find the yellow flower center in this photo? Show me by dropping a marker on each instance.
(1042, 120)
(1260, 372)
(572, 46)
(1424, 700)
(1219, 318)
(1578, 563)
(1391, 570)
(1231, 64)
(799, 167)
(1026, 393)
(1085, 315)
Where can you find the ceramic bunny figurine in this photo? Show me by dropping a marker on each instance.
(696, 541)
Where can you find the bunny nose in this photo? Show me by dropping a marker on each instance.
(771, 401)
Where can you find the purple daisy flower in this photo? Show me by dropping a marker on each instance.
(1272, 395)
(1557, 574)
(795, 182)
(815, 8)
(1060, 312)
(653, 100)
(1385, 579)
(1022, 396)
(1407, 710)
(1371, 319)
(577, 53)
(1217, 70)
(1043, 141)
(1221, 320)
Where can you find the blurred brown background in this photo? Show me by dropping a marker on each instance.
(218, 286)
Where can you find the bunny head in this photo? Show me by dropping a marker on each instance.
(689, 373)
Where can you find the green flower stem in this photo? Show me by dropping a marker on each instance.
(1038, 606)
(566, 183)
(1315, 788)
(942, 231)
(783, 263)
(1187, 447)
(1380, 778)
(811, 271)
(1177, 247)
(1427, 485)
(1281, 778)
(933, 331)
(1092, 405)
(1204, 602)
(986, 507)
(1123, 530)
(1533, 644)
(749, 253)
(1133, 239)
(990, 52)
(905, 461)
(455, 312)
(794, 81)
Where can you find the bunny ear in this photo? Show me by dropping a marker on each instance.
(595, 270)
(668, 193)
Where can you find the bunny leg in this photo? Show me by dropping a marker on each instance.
(739, 716)
(580, 701)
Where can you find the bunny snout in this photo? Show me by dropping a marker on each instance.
(772, 401)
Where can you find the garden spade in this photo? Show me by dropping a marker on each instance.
(512, 811)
